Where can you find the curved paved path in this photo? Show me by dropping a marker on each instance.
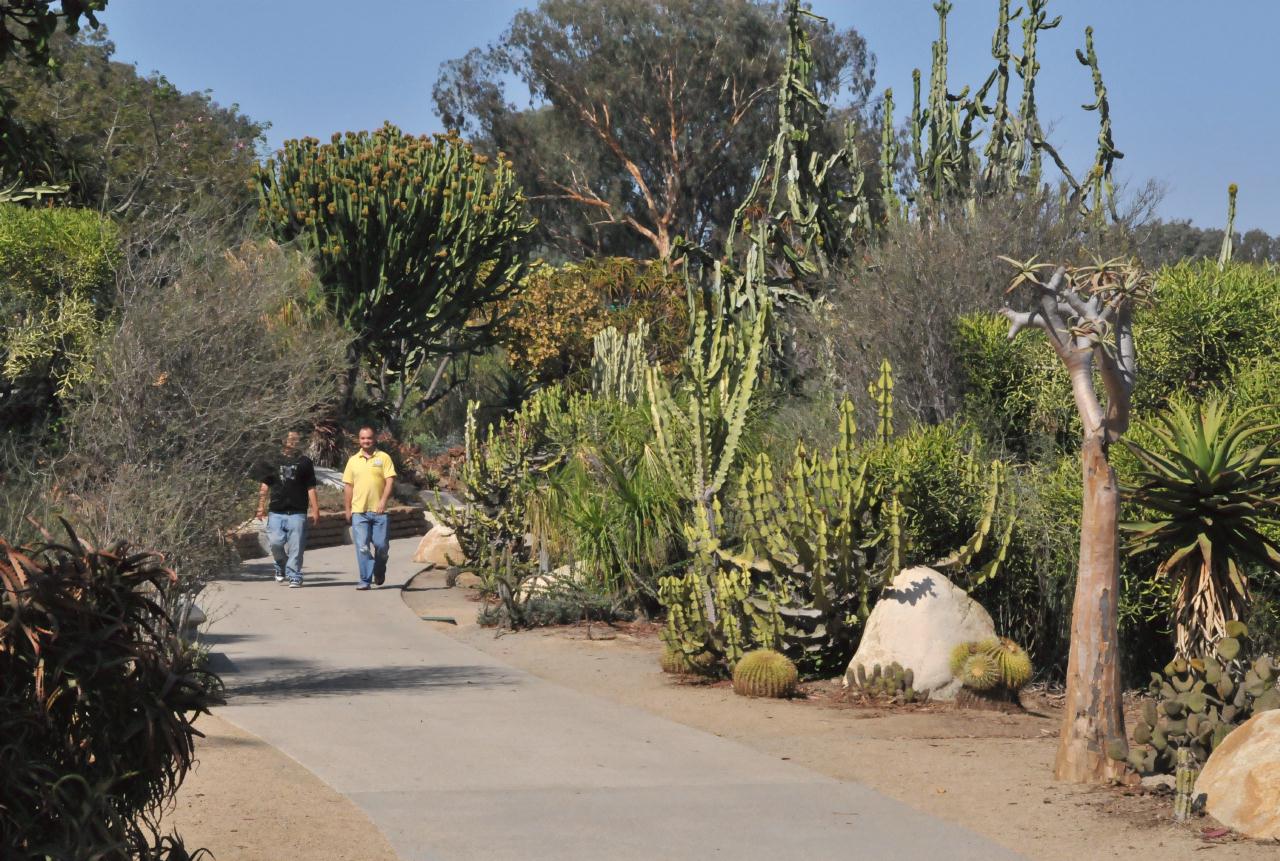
(455, 755)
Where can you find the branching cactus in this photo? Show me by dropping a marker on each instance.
(619, 364)
(808, 220)
(416, 240)
(698, 426)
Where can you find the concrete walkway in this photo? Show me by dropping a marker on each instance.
(455, 755)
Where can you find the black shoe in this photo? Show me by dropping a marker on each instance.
(380, 578)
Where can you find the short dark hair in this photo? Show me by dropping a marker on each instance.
(370, 428)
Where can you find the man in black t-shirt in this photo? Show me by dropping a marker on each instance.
(290, 483)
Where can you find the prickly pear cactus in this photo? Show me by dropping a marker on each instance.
(894, 683)
(1196, 703)
(765, 673)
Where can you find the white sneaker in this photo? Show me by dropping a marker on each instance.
(295, 584)
(280, 578)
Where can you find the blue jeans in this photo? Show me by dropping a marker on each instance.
(369, 531)
(287, 536)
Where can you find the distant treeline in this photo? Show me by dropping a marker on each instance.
(1160, 242)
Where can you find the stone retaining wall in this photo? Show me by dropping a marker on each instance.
(333, 530)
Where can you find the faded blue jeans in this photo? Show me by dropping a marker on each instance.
(369, 530)
(287, 537)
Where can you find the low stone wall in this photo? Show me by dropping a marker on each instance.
(333, 530)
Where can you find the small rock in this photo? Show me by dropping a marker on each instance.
(439, 548)
(1156, 781)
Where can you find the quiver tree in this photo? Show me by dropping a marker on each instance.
(1086, 315)
(416, 240)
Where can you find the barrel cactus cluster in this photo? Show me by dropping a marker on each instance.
(997, 667)
(894, 683)
(676, 663)
(1196, 703)
(765, 673)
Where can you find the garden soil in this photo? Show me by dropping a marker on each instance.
(247, 801)
(988, 771)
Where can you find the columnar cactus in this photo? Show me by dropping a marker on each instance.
(894, 683)
(808, 220)
(416, 239)
(619, 365)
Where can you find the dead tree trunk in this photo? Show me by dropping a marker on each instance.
(1086, 316)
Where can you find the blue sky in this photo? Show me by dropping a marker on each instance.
(1194, 86)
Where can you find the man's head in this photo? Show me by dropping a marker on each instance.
(292, 440)
(367, 438)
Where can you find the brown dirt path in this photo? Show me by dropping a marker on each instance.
(247, 801)
(990, 772)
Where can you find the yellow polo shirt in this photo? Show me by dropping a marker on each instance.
(367, 476)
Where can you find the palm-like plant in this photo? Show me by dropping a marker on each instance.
(1211, 488)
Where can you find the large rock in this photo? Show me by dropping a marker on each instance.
(439, 548)
(1241, 780)
(917, 623)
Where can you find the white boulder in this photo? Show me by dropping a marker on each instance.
(917, 623)
(439, 548)
(1241, 780)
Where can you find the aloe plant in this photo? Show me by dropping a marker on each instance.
(1211, 485)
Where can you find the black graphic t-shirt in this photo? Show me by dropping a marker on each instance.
(289, 479)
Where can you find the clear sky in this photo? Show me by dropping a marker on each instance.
(1194, 85)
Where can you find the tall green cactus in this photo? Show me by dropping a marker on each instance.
(619, 364)
(1100, 190)
(698, 426)
(416, 239)
(945, 126)
(809, 221)
(1228, 236)
(881, 390)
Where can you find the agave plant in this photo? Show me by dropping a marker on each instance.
(1211, 488)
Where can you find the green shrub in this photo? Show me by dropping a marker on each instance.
(1204, 324)
(560, 310)
(97, 701)
(57, 269)
(1013, 391)
(1207, 328)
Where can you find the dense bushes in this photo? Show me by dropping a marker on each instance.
(199, 379)
(560, 309)
(98, 695)
(57, 269)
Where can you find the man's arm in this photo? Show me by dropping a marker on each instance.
(386, 493)
(262, 501)
(348, 491)
(315, 505)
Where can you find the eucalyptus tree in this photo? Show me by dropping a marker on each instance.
(646, 118)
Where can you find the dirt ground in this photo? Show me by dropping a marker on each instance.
(247, 801)
(988, 771)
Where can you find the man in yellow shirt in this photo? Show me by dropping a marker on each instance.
(367, 483)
